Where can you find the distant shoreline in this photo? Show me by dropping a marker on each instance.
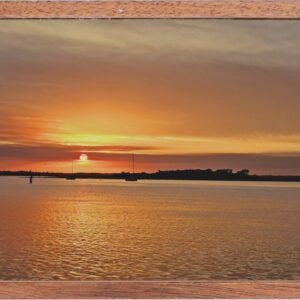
(191, 175)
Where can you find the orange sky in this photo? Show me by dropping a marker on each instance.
(179, 94)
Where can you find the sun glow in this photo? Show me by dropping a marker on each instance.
(83, 157)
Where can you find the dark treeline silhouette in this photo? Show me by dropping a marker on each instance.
(194, 174)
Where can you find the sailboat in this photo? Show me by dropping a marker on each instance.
(132, 176)
(71, 176)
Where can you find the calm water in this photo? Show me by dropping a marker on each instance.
(106, 230)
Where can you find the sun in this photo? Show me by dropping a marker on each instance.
(83, 157)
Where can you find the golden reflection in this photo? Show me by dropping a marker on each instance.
(105, 230)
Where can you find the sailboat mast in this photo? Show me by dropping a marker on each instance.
(131, 176)
(132, 163)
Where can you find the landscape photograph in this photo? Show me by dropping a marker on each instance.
(149, 150)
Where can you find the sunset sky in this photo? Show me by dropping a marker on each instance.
(179, 94)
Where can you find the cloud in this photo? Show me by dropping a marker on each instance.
(117, 159)
(63, 152)
(259, 43)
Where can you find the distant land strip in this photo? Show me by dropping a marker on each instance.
(110, 9)
(194, 174)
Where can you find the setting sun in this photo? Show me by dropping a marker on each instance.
(83, 157)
